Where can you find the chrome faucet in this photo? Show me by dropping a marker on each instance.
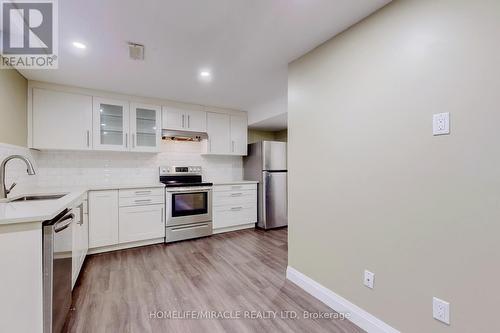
(3, 189)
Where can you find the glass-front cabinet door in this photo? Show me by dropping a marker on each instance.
(145, 127)
(111, 124)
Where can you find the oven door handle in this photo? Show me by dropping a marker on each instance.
(190, 191)
(204, 225)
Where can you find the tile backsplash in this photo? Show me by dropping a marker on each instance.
(63, 168)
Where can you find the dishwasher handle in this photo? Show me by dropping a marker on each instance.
(64, 222)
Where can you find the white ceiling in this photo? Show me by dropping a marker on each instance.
(247, 45)
(274, 123)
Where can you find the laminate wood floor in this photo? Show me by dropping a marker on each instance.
(136, 290)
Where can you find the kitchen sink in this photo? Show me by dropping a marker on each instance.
(38, 197)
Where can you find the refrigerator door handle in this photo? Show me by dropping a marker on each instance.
(263, 199)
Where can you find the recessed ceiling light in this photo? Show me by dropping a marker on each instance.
(205, 74)
(79, 45)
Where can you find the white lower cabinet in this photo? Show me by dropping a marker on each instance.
(103, 213)
(141, 223)
(234, 207)
(80, 237)
(119, 217)
(234, 215)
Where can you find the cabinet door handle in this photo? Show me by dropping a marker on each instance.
(232, 142)
(183, 121)
(133, 140)
(162, 215)
(236, 208)
(142, 192)
(126, 140)
(81, 215)
(189, 121)
(88, 138)
(236, 194)
(143, 200)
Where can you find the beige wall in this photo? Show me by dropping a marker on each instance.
(421, 212)
(256, 136)
(281, 135)
(13, 109)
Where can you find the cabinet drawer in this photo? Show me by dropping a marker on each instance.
(141, 223)
(235, 198)
(235, 187)
(142, 192)
(229, 216)
(188, 231)
(141, 201)
(235, 207)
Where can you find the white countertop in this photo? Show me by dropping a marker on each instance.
(122, 186)
(236, 182)
(42, 210)
(38, 210)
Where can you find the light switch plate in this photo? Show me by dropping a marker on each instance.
(441, 123)
(369, 278)
(441, 310)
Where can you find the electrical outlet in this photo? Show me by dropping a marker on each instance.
(441, 310)
(441, 123)
(369, 279)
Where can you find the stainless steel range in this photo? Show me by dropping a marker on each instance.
(188, 203)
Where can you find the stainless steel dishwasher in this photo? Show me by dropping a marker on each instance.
(57, 269)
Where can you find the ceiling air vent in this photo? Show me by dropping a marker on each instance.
(136, 51)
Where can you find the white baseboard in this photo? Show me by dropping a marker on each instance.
(358, 316)
(235, 228)
(124, 246)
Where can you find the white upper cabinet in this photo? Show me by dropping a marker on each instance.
(145, 127)
(71, 119)
(227, 134)
(219, 133)
(61, 120)
(184, 120)
(196, 121)
(173, 119)
(239, 134)
(111, 124)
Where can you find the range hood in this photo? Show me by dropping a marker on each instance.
(183, 135)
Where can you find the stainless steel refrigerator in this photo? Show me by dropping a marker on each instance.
(267, 163)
